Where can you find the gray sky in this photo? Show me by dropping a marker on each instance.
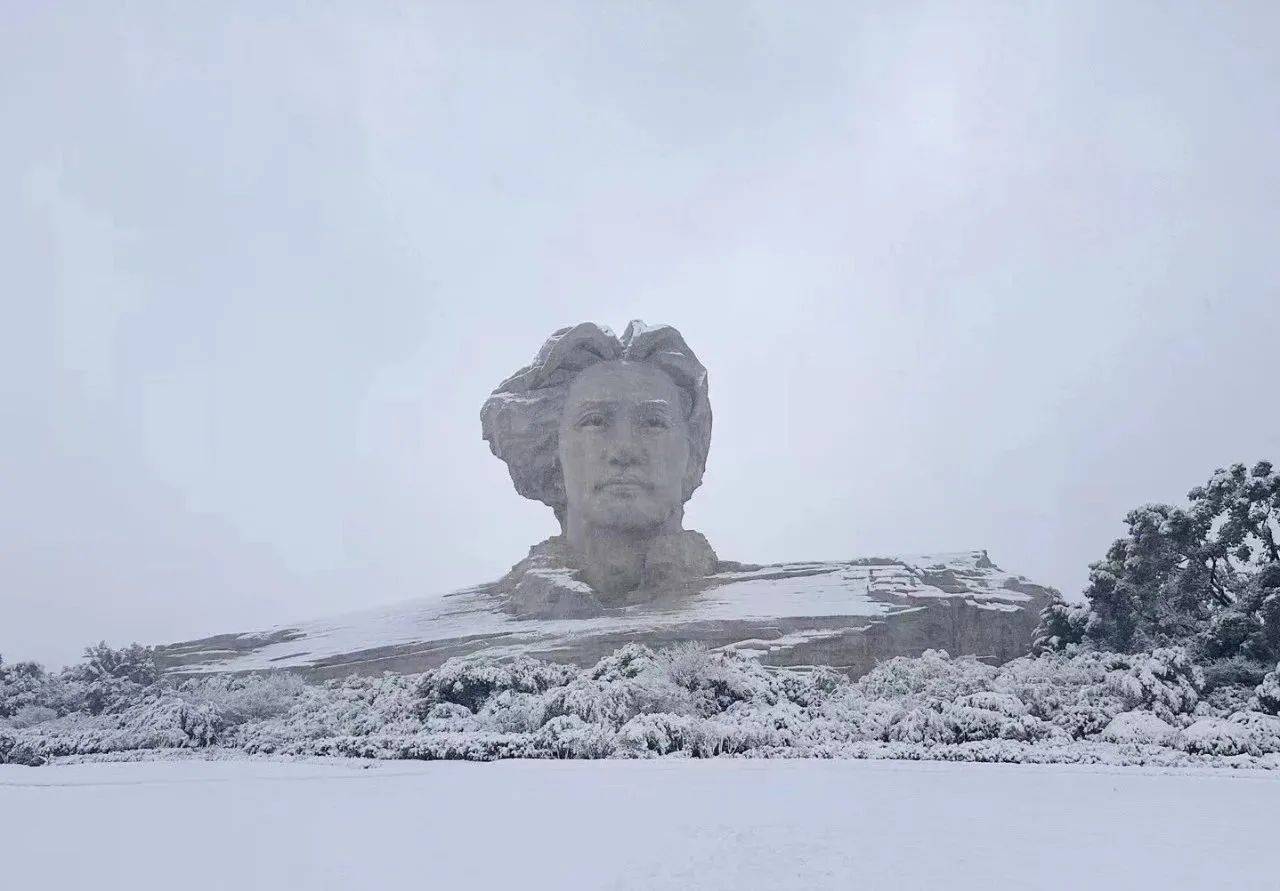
(982, 277)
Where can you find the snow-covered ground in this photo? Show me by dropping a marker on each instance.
(633, 824)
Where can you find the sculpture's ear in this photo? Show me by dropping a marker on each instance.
(557, 498)
(699, 446)
(692, 479)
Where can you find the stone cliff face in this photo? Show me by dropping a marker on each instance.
(843, 614)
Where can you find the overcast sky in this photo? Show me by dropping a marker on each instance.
(979, 278)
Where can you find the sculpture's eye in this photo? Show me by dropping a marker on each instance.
(654, 422)
(591, 419)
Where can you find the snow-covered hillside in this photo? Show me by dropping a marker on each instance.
(845, 614)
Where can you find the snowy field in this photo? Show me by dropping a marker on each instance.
(633, 824)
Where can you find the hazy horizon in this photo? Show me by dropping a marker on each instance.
(962, 279)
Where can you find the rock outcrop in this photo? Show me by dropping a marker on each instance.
(844, 614)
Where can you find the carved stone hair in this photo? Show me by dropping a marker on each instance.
(521, 419)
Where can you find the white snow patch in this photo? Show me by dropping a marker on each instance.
(645, 825)
(758, 646)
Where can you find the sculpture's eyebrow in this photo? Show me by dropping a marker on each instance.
(606, 407)
(662, 404)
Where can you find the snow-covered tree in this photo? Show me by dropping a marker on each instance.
(110, 679)
(1061, 625)
(22, 685)
(1206, 576)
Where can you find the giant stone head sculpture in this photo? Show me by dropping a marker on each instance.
(612, 434)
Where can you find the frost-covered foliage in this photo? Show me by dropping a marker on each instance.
(688, 702)
(1216, 736)
(240, 698)
(1138, 727)
(1164, 682)
(23, 685)
(1266, 698)
(1062, 625)
(16, 750)
(158, 722)
(1206, 577)
(107, 680)
(470, 682)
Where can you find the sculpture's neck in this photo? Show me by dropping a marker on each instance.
(613, 560)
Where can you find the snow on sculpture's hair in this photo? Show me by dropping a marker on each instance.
(521, 419)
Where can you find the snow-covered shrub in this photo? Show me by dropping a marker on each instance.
(511, 710)
(651, 735)
(160, 722)
(617, 702)
(740, 731)
(15, 750)
(568, 736)
(920, 724)
(1087, 719)
(469, 681)
(240, 698)
(857, 717)
(684, 680)
(720, 679)
(476, 745)
(29, 716)
(1165, 682)
(1138, 727)
(628, 661)
(1266, 698)
(449, 717)
(481, 746)
(1264, 728)
(354, 706)
(973, 723)
(1223, 701)
(1005, 703)
(962, 722)
(1075, 706)
(932, 676)
(810, 687)
(1050, 683)
(969, 724)
(1215, 736)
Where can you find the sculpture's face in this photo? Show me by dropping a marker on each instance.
(624, 446)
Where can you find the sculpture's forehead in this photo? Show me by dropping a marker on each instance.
(621, 380)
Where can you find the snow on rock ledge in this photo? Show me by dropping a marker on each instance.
(846, 614)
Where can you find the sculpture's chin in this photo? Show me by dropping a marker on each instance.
(632, 522)
(629, 515)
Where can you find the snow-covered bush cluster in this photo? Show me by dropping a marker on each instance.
(1146, 708)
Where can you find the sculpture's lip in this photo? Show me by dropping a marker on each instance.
(624, 483)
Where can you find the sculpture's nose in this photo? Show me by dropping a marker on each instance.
(622, 452)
